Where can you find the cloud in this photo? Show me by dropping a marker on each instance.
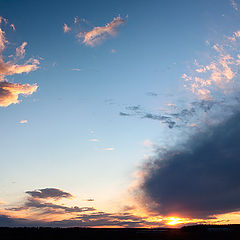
(109, 149)
(77, 69)
(37, 201)
(234, 5)
(48, 207)
(66, 28)
(99, 219)
(13, 27)
(198, 178)
(49, 193)
(20, 51)
(9, 92)
(220, 75)
(94, 140)
(23, 121)
(98, 34)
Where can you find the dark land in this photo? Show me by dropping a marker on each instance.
(189, 232)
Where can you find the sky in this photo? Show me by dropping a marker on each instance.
(119, 113)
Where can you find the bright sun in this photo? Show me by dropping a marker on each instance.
(174, 221)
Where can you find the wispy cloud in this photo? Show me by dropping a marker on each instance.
(98, 34)
(109, 149)
(9, 92)
(66, 28)
(20, 51)
(220, 75)
(234, 5)
(94, 140)
(93, 36)
(77, 69)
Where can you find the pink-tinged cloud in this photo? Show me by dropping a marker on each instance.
(9, 92)
(98, 34)
(66, 28)
(20, 51)
(109, 149)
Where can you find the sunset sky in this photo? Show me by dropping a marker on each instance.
(119, 113)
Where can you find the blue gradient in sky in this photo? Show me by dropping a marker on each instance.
(152, 50)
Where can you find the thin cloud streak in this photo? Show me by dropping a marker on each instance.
(98, 34)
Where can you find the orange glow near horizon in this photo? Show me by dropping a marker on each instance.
(174, 221)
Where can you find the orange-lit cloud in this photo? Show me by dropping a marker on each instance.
(66, 28)
(20, 51)
(23, 121)
(9, 92)
(220, 74)
(98, 34)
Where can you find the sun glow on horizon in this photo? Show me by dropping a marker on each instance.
(174, 221)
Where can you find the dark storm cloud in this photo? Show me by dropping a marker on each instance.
(199, 178)
(49, 193)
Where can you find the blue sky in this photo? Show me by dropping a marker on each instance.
(74, 137)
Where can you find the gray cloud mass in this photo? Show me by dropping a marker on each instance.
(200, 178)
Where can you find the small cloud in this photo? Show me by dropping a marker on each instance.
(234, 5)
(98, 34)
(76, 20)
(13, 27)
(77, 69)
(49, 193)
(113, 51)
(2, 19)
(23, 121)
(124, 114)
(89, 200)
(94, 140)
(109, 149)
(66, 28)
(20, 51)
(148, 143)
